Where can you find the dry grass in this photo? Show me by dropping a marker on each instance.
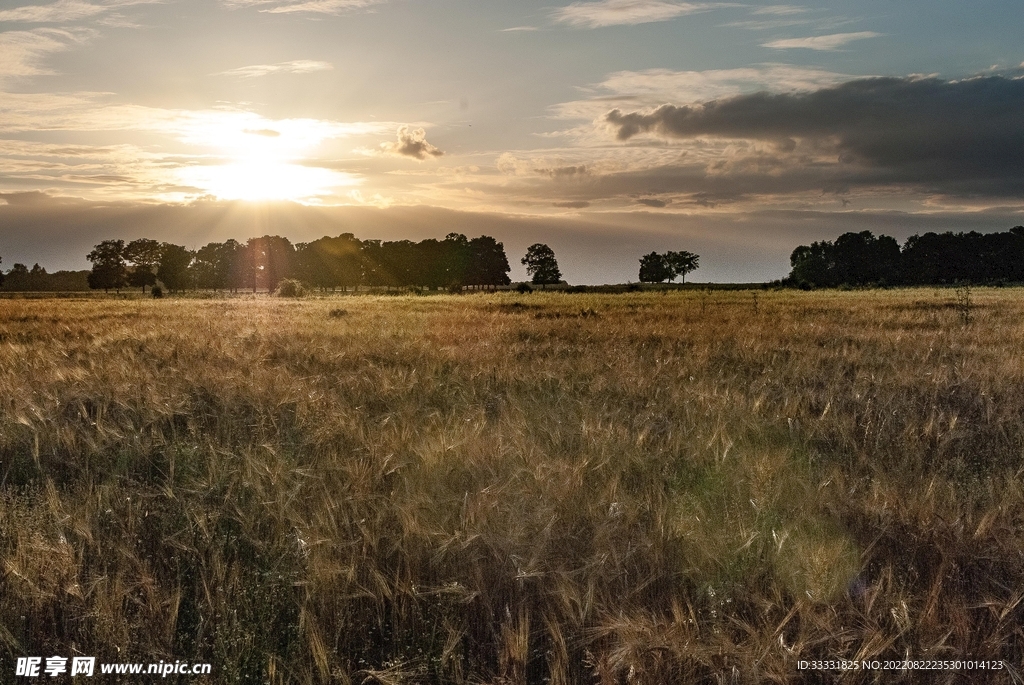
(640, 488)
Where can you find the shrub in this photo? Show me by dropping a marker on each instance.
(524, 288)
(291, 287)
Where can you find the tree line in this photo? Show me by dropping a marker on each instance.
(328, 263)
(23, 279)
(929, 259)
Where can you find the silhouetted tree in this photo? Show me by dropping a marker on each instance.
(144, 255)
(853, 259)
(488, 263)
(654, 268)
(212, 265)
(329, 262)
(173, 268)
(108, 267)
(1, 273)
(810, 264)
(541, 264)
(681, 263)
(269, 260)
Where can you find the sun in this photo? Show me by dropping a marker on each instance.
(266, 181)
(259, 160)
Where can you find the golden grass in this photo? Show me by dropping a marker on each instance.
(636, 488)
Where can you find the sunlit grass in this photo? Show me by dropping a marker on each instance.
(511, 488)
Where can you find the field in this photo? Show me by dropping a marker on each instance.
(689, 487)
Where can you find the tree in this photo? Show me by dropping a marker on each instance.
(1, 273)
(654, 268)
(212, 265)
(488, 264)
(681, 263)
(144, 254)
(108, 267)
(329, 262)
(270, 261)
(173, 267)
(541, 264)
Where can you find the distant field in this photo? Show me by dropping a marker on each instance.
(678, 487)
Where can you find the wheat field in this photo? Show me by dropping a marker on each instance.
(680, 487)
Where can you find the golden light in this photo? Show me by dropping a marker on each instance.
(257, 181)
(262, 158)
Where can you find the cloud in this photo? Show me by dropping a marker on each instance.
(653, 87)
(129, 151)
(64, 11)
(311, 6)
(563, 171)
(592, 15)
(780, 10)
(411, 143)
(299, 66)
(22, 52)
(830, 42)
(520, 28)
(575, 204)
(942, 136)
(652, 202)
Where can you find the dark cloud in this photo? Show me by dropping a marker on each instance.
(31, 198)
(652, 202)
(412, 143)
(563, 171)
(572, 205)
(958, 137)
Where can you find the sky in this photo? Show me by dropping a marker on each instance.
(604, 128)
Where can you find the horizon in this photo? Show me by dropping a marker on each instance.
(606, 129)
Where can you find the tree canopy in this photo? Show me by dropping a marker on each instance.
(327, 263)
(108, 266)
(657, 268)
(541, 264)
(932, 258)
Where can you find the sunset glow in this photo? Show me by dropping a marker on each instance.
(261, 180)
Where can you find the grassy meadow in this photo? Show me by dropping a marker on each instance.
(688, 487)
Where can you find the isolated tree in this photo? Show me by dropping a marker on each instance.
(681, 263)
(654, 268)
(173, 267)
(1, 273)
(144, 255)
(541, 264)
(108, 267)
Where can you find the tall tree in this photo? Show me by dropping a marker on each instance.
(212, 265)
(144, 255)
(108, 267)
(541, 264)
(271, 259)
(1, 273)
(173, 269)
(456, 258)
(488, 264)
(681, 263)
